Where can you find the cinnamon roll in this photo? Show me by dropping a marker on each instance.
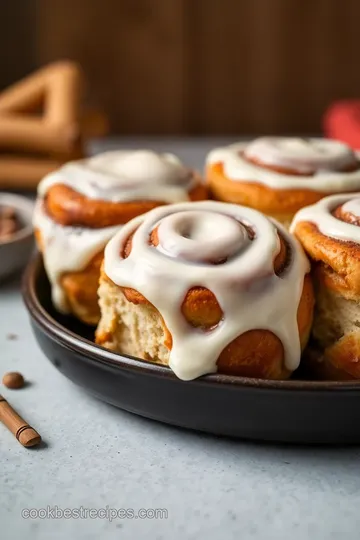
(206, 286)
(330, 234)
(278, 175)
(83, 204)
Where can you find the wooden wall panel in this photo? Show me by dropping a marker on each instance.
(17, 40)
(271, 65)
(132, 52)
(208, 66)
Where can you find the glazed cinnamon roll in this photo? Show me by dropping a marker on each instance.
(83, 204)
(330, 234)
(206, 286)
(278, 176)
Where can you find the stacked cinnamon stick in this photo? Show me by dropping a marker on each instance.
(43, 124)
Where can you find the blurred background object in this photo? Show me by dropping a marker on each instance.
(194, 66)
(43, 124)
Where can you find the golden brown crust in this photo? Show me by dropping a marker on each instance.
(339, 262)
(81, 290)
(257, 353)
(68, 207)
(344, 355)
(339, 362)
(81, 287)
(263, 198)
(336, 269)
(200, 307)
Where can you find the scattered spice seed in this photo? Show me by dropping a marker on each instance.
(13, 380)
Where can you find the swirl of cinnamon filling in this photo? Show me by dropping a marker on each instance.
(113, 187)
(279, 175)
(330, 232)
(301, 156)
(284, 163)
(81, 205)
(247, 271)
(349, 212)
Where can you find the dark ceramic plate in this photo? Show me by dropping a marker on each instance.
(298, 411)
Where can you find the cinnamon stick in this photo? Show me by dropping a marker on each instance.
(25, 95)
(25, 434)
(37, 134)
(64, 92)
(28, 94)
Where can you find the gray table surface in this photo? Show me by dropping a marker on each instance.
(96, 456)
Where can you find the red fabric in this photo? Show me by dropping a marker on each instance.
(341, 121)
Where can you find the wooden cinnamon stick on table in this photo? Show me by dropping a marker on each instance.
(26, 133)
(64, 92)
(25, 434)
(59, 134)
(58, 88)
(59, 85)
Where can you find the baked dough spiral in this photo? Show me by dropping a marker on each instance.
(280, 175)
(83, 204)
(330, 234)
(206, 286)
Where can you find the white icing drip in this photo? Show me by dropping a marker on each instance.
(250, 294)
(122, 176)
(290, 153)
(321, 215)
(118, 176)
(67, 249)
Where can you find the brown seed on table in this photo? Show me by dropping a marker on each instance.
(13, 380)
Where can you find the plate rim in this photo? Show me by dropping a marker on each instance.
(95, 353)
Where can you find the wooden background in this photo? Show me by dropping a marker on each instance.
(195, 66)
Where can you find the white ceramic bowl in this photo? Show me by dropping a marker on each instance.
(17, 250)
